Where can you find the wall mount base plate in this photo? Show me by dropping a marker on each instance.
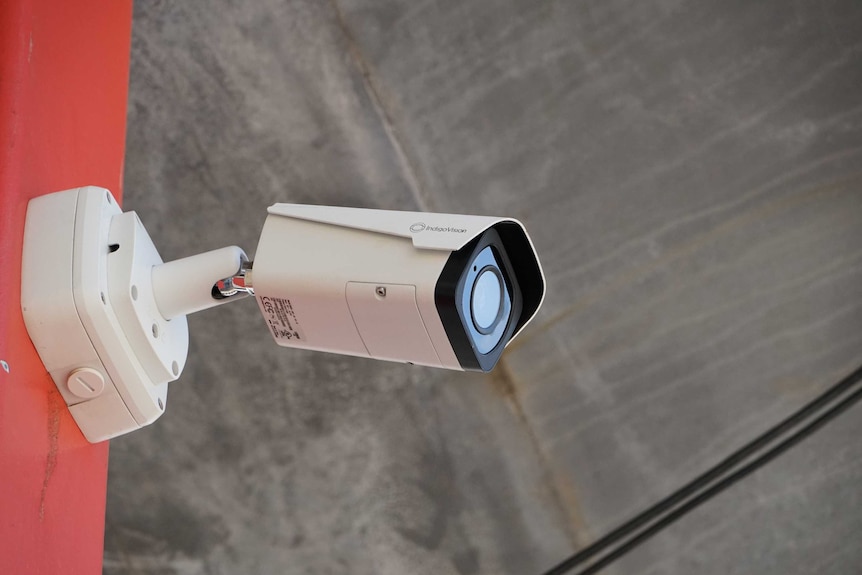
(89, 307)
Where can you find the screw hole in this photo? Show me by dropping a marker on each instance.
(475, 268)
(134, 292)
(113, 247)
(155, 330)
(175, 367)
(161, 404)
(102, 295)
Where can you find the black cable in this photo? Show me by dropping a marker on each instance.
(715, 472)
(700, 484)
(724, 484)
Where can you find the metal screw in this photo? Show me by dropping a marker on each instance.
(380, 291)
(4, 365)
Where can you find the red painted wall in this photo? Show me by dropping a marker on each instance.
(64, 68)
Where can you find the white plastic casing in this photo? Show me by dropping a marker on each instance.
(107, 316)
(89, 308)
(360, 282)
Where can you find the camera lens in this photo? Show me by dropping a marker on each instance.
(487, 299)
(478, 297)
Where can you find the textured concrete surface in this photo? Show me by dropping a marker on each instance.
(692, 177)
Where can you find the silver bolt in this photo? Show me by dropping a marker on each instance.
(4, 365)
(380, 291)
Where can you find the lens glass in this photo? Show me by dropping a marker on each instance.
(487, 299)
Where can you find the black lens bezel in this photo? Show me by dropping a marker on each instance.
(457, 321)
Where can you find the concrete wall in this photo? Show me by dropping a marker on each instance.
(691, 174)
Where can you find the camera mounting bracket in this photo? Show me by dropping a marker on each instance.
(93, 294)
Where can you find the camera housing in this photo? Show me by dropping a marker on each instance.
(442, 290)
(107, 315)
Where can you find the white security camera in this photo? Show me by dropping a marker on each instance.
(442, 290)
(108, 316)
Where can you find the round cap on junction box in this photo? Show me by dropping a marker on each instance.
(86, 382)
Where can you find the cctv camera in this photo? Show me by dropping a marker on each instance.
(441, 290)
(108, 316)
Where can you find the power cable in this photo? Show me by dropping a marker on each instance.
(727, 472)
